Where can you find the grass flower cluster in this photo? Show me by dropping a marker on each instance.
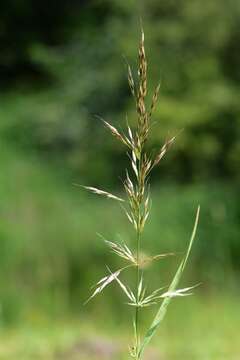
(136, 206)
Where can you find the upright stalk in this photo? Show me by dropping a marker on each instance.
(137, 208)
(141, 173)
(138, 238)
(137, 297)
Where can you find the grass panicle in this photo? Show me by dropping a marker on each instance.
(137, 206)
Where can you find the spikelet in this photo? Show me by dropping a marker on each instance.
(101, 192)
(154, 100)
(122, 251)
(105, 281)
(164, 150)
(131, 81)
(117, 134)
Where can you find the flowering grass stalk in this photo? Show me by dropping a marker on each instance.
(137, 208)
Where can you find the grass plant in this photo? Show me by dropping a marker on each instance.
(137, 206)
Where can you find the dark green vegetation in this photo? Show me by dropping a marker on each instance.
(73, 60)
(59, 67)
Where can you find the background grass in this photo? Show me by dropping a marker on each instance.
(59, 66)
(51, 254)
(198, 334)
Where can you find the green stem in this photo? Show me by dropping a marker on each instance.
(138, 260)
(137, 297)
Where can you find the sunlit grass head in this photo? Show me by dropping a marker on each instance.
(137, 205)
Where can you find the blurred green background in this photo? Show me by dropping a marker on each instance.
(61, 63)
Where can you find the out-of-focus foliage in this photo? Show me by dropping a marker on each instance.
(60, 65)
(193, 50)
(50, 253)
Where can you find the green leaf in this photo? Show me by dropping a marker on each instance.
(163, 308)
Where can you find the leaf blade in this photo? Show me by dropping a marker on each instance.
(163, 307)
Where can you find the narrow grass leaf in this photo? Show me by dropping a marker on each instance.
(163, 307)
(179, 292)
